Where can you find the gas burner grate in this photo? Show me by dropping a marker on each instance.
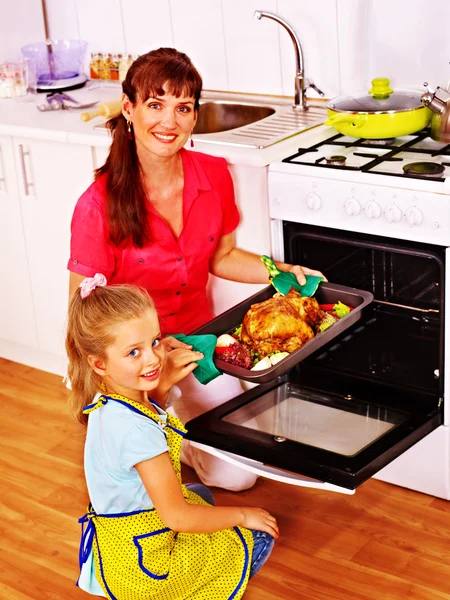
(392, 148)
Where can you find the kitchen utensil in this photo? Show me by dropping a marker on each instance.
(104, 109)
(57, 105)
(283, 282)
(439, 103)
(382, 113)
(206, 370)
(57, 61)
(51, 60)
(327, 293)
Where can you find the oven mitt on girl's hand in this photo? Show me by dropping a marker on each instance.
(283, 282)
(206, 370)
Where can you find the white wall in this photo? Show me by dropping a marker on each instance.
(345, 42)
(21, 23)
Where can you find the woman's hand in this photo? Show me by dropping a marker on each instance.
(300, 272)
(258, 518)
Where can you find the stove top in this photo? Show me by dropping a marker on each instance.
(414, 156)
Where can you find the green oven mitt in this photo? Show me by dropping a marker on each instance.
(206, 370)
(283, 282)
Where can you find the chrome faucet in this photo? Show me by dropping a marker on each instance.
(300, 82)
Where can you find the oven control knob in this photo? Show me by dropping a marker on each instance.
(313, 201)
(413, 217)
(373, 210)
(393, 214)
(352, 207)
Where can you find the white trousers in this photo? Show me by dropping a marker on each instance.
(189, 399)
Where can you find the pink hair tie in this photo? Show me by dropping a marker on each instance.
(90, 283)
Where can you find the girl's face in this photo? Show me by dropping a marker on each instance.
(161, 125)
(134, 361)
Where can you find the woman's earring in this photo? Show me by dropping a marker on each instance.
(130, 133)
(191, 140)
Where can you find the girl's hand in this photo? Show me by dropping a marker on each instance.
(258, 518)
(171, 343)
(300, 273)
(179, 363)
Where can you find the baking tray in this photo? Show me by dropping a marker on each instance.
(327, 293)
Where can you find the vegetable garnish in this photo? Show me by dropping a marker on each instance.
(341, 309)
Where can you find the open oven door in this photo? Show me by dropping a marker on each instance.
(365, 397)
(286, 431)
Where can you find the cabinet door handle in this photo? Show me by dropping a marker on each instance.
(3, 186)
(26, 183)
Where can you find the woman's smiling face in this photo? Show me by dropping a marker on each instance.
(161, 125)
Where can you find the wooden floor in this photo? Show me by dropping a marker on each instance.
(384, 543)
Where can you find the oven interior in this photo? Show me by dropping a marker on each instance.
(394, 355)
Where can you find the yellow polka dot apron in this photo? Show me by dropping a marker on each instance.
(137, 557)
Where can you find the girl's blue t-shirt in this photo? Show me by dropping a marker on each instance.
(117, 439)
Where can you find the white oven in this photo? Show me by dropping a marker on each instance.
(373, 215)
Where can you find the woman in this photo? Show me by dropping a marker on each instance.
(162, 217)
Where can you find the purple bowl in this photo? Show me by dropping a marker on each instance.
(60, 59)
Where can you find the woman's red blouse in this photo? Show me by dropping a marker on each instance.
(174, 271)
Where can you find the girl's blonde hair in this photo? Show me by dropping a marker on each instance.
(90, 331)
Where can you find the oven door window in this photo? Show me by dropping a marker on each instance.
(338, 426)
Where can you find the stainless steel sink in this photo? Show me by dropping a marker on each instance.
(250, 121)
(214, 117)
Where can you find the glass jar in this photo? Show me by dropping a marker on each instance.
(105, 67)
(114, 68)
(94, 65)
(124, 65)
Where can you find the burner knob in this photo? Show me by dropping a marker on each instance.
(413, 217)
(313, 201)
(352, 207)
(373, 210)
(393, 214)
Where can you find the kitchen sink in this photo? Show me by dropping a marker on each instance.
(223, 116)
(250, 120)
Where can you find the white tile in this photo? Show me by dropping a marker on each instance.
(315, 24)
(198, 31)
(252, 47)
(395, 39)
(147, 25)
(62, 19)
(408, 42)
(353, 34)
(100, 23)
(16, 30)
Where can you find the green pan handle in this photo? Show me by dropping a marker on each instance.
(271, 267)
(355, 120)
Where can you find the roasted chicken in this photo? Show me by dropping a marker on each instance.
(281, 324)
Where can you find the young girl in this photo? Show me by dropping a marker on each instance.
(146, 535)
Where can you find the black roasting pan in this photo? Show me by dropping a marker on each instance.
(327, 293)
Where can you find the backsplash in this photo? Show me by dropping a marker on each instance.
(345, 43)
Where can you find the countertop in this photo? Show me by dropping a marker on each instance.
(21, 118)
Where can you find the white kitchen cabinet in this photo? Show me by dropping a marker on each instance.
(17, 324)
(51, 177)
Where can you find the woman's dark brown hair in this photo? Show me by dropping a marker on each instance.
(126, 201)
